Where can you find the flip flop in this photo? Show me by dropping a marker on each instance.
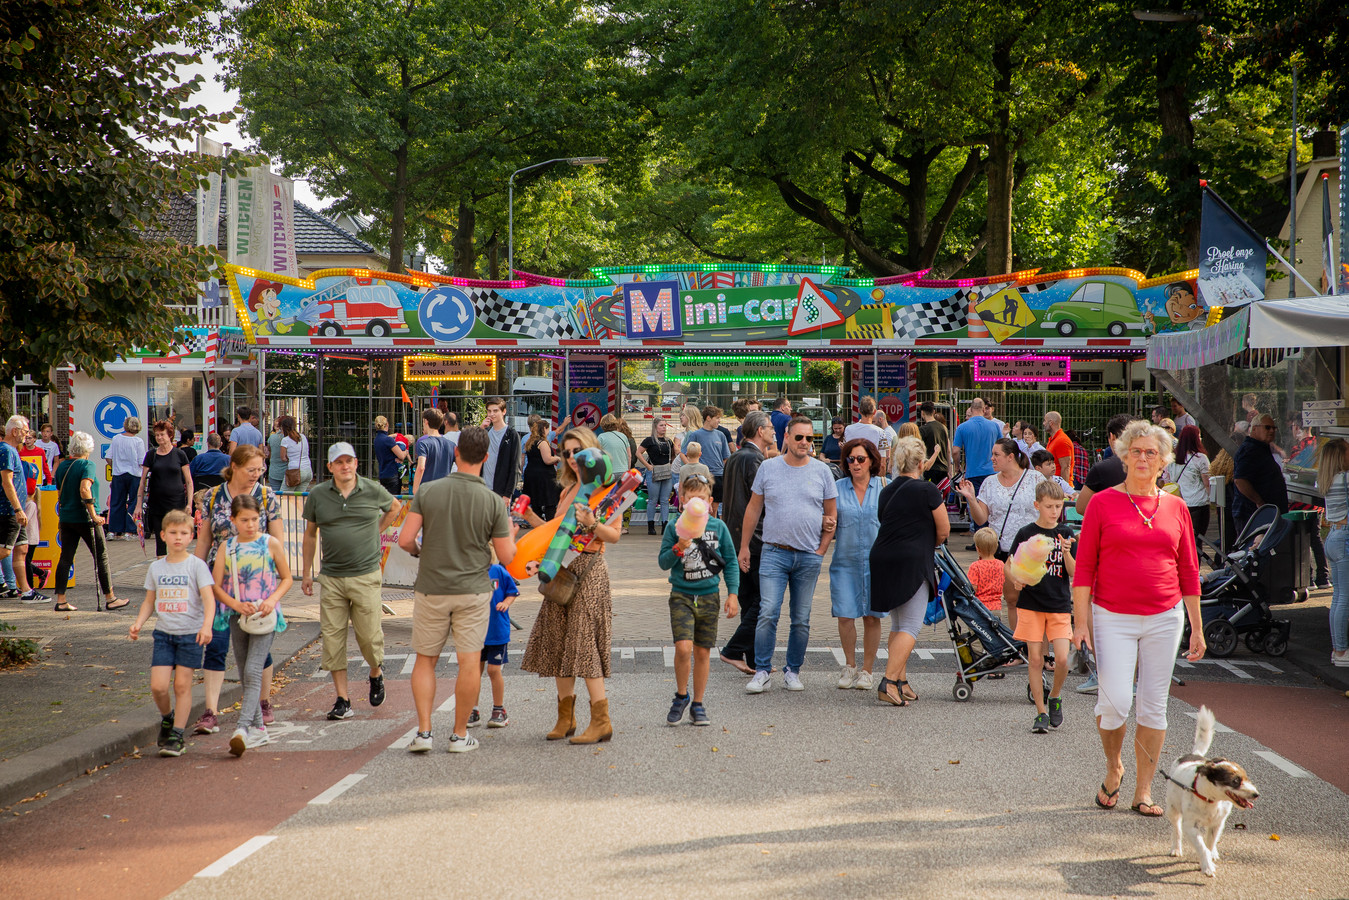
(116, 603)
(1146, 805)
(1109, 795)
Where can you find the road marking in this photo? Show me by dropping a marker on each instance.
(839, 657)
(338, 789)
(447, 706)
(669, 657)
(625, 653)
(405, 741)
(1279, 762)
(408, 664)
(235, 856)
(1218, 727)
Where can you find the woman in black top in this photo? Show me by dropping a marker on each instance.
(540, 475)
(903, 568)
(186, 439)
(166, 482)
(656, 455)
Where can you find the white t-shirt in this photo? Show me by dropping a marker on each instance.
(52, 450)
(1010, 508)
(297, 453)
(1182, 420)
(1191, 474)
(864, 431)
(178, 591)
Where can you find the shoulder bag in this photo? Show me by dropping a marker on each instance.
(293, 472)
(663, 471)
(1173, 487)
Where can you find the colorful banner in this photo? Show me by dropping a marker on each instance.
(1231, 257)
(261, 208)
(208, 218)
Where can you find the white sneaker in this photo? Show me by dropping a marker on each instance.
(1339, 658)
(257, 737)
(420, 743)
(758, 684)
(239, 741)
(865, 682)
(462, 744)
(847, 679)
(792, 680)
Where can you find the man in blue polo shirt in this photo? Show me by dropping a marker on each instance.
(781, 416)
(974, 439)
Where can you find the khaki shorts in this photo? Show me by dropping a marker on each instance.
(437, 616)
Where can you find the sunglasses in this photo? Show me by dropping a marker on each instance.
(802, 437)
(702, 478)
(858, 459)
(568, 454)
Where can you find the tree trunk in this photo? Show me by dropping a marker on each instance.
(398, 210)
(1182, 173)
(1001, 159)
(465, 256)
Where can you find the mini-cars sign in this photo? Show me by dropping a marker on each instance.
(449, 368)
(1022, 368)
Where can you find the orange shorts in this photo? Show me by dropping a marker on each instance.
(1042, 626)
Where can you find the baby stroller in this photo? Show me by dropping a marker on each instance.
(1269, 563)
(988, 644)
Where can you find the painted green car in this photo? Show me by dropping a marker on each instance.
(1096, 306)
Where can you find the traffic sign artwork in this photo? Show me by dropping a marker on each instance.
(814, 310)
(111, 413)
(446, 315)
(1005, 313)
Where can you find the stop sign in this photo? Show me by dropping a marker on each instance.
(893, 406)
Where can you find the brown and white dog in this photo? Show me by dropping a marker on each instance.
(1200, 794)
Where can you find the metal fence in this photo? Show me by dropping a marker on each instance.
(1085, 412)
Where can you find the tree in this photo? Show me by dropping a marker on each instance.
(417, 111)
(86, 95)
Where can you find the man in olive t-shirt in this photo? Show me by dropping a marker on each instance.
(351, 511)
(460, 521)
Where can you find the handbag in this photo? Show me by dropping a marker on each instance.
(664, 471)
(293, 477)
(1173, 487)
(258, 623)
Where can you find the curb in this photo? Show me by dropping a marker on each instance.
(78, 754)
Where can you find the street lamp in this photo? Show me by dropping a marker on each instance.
(510, 200)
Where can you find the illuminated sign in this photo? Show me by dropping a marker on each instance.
(1022, 368)
(449, 368)
(732, 368)
(652, 309)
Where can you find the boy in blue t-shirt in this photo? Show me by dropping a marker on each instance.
(494, 655)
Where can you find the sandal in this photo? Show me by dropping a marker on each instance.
(1143, 809)
(116, 603)
(65, 607)
(911, 696)
(1109, 795)
(996, 676)
(883, 694)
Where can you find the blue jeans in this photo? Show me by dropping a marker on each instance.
(1337, 554)
(657, 499)
(780, 570)
(122, 503)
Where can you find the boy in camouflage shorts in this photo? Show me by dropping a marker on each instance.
(696, 568)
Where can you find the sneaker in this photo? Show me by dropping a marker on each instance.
(1055, 711)
(267, 717)
(499, 719)
(1339, 658)
(239, 742)
(341, 710)
(1088, 686)
(677, 709)
(376, 690)
(865, 681)
(758, 684)
(847, 679)
(207, 724)
(462, 744)
(1041, 724)
(258, 737)
(9, 593)
(165, 729)
(792, 680)
(698, 713)
(1323, 582)
(421, 743)
(474, 718)
(34, 597)
(173, 746)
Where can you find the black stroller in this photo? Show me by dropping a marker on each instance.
(1269, 563)
(988, 644)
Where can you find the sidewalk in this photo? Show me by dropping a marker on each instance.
(87, 700)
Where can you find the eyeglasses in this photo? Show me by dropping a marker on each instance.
(802, 437)
(1135, 453)
(702, 478)
(858, 459)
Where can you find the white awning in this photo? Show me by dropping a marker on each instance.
(1300, 322)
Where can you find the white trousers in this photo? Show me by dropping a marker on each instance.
(1125, 644)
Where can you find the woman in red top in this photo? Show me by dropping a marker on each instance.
(1139, 529)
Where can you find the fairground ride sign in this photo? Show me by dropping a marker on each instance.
(733, 368)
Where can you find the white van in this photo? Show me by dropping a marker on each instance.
(529, 394)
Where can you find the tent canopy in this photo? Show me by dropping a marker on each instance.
(1300, 322)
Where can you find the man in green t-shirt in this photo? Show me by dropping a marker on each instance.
(460, 521)
(351, 512)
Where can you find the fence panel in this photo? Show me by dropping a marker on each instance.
(1085, 412)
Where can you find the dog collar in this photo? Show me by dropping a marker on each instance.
(1192, 787)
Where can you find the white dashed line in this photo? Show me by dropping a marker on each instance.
(337, 790)
(235, 856)
(669, 657)
(1279, 762)
(405, 741)
(447, 706)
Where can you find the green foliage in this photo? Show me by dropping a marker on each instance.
(15, 651)
(635, 375)
(822, 375)
(86, 92)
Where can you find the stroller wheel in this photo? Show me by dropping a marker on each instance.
(1276, 644)
(1221, 637)
(962, 691)
(1046, 681)
(1255, 640)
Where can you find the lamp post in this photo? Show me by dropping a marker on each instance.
(510, 200)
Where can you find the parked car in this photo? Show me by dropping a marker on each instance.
(1095, 306)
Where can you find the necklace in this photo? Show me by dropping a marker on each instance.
(1147, 520)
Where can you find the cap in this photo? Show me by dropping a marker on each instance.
(339, 450)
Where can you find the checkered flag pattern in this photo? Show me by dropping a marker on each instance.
(526, 320)
(938, 317)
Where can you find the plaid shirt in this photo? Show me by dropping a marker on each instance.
(1081, 463)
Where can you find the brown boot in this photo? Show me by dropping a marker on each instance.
(566, 719)
(600, 728)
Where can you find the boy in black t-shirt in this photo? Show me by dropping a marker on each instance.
(1045, 609)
